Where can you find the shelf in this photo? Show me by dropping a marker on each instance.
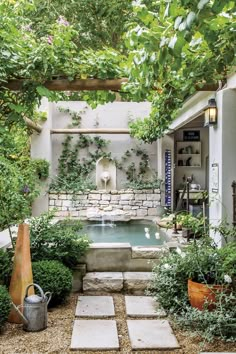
(194, 158)
(189, 155)
(188, 166)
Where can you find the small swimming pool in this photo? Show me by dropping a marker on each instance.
(137, 233)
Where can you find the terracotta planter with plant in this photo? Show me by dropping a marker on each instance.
(203, 295)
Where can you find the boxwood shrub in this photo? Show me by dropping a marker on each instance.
(55, 277)
(5, 305)
(5, 267)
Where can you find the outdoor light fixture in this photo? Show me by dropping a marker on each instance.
(211, 113)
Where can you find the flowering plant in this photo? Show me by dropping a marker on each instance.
(205, 263)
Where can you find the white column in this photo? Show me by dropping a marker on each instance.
(222, 148)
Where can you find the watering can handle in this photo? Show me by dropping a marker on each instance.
(37, 286)
(49, 296)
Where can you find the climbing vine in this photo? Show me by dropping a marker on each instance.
(138, 176)
(78, 161)
(74, 168)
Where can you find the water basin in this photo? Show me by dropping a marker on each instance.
(133, 232)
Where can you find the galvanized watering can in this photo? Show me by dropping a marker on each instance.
(35, 315)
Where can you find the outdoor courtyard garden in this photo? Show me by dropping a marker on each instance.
(89, 89)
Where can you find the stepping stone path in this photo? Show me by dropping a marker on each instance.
(151, 334)
(95, 306)
(94, 335)
(101, 334)
(142, 306)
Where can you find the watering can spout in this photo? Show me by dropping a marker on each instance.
(24, 319)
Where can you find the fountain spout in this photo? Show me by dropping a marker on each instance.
(105, 174)
(105, 177)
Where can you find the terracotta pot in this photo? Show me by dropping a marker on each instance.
(199, 293)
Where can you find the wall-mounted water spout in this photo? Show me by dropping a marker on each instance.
(105, 177)
(105, 174)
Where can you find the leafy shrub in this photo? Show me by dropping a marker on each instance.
(169, 282)
(5, 267)
(41, 167)
(56, 241)
(17, 192)
(53, 276)
(5, 305)
(209, 324)
(204, 263)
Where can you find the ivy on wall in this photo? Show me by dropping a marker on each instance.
(78, 160)
(73, 169)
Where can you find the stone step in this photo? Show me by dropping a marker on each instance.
(129, 282)
(102, 282)
(136, 282)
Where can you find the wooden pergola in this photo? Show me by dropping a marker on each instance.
(63, 84)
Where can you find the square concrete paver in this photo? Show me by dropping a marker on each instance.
(94, 335)
(95, 306)
(151, 334)
(143, 306)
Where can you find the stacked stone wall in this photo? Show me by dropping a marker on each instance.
(123, 204)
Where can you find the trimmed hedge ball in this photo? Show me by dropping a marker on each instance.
(54, 277)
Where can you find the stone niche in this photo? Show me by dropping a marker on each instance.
(119, 205)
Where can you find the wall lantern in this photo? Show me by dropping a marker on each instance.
(211, 113)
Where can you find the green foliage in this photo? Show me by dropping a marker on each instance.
(56, 241)
(17, 191)
(5, 267)
(154, 184)
(73, 170)
(211, 324)
(53, 276)
(201, 262)
(5, 305)
(176, 46)
(139, 177)
(41, 168)
(169, 284)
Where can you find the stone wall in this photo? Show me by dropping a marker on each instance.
(119, 205)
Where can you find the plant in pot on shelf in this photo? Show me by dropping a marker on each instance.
(192, 227)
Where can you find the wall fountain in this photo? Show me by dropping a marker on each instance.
(105, 174)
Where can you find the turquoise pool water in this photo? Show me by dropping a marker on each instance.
(134, 232)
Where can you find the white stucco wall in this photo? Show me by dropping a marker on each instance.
(111, 115)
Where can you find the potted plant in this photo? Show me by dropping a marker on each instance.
(210, 271)
(191, 226)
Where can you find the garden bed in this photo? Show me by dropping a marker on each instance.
(56, 338)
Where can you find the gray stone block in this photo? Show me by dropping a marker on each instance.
(143, 306)
(136, 282)
(142, 212)
(148, 252)
(102, 282)
(151, 334)
(95, 306)
(127, 197)
(94, 335)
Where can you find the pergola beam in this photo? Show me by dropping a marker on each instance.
(90, 131)
(88, 85)
(32, 125)
(75, 85)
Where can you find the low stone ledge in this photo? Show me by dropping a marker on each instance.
(148, 252)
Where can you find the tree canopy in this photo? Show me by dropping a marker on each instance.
(164, 48)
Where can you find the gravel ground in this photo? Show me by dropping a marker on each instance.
(56, 339)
